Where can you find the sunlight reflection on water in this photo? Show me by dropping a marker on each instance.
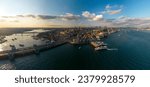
(23, 38)
(1, 49)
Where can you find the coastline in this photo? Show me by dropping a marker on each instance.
(58, 38)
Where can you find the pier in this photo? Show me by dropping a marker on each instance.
(11, 54)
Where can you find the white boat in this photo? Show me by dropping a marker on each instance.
(101, 48)
(52, 41)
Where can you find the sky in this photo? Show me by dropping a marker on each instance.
(68, 13)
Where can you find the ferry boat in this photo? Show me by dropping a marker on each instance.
(101, 43)
(101, 48)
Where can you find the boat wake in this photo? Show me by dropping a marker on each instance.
(112, 49)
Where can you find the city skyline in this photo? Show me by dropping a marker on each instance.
(68, 13)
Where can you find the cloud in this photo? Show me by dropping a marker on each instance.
(112, 10)
(15, 21)
(130, 22)
(30, 16)
(69, 16)
(88, 14)
(7, 16)
(19, 15)
(92, 16)
(46, 17)
(98, 17)
(43, 17)
(122, 21)
(2, 20)
(86, 18)
(108, 7)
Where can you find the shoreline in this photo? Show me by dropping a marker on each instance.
(4, 55)
(60, 37)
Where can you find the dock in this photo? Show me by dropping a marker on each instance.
(29, 50)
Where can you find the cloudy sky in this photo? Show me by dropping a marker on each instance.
(64, 13)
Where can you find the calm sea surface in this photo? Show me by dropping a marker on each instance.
(132, 51)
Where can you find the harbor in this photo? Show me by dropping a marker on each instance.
(37, 41)
(121, 52)
(16, 53)
(17, 46)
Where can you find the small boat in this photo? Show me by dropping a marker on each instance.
(79, 47)
(101, 48)
(101, 44)
(35, 38)
(34, 45)
(47, 41)
(52, 41)
(21, 45)
(43, 39)
(12, 45)
(13, 39)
